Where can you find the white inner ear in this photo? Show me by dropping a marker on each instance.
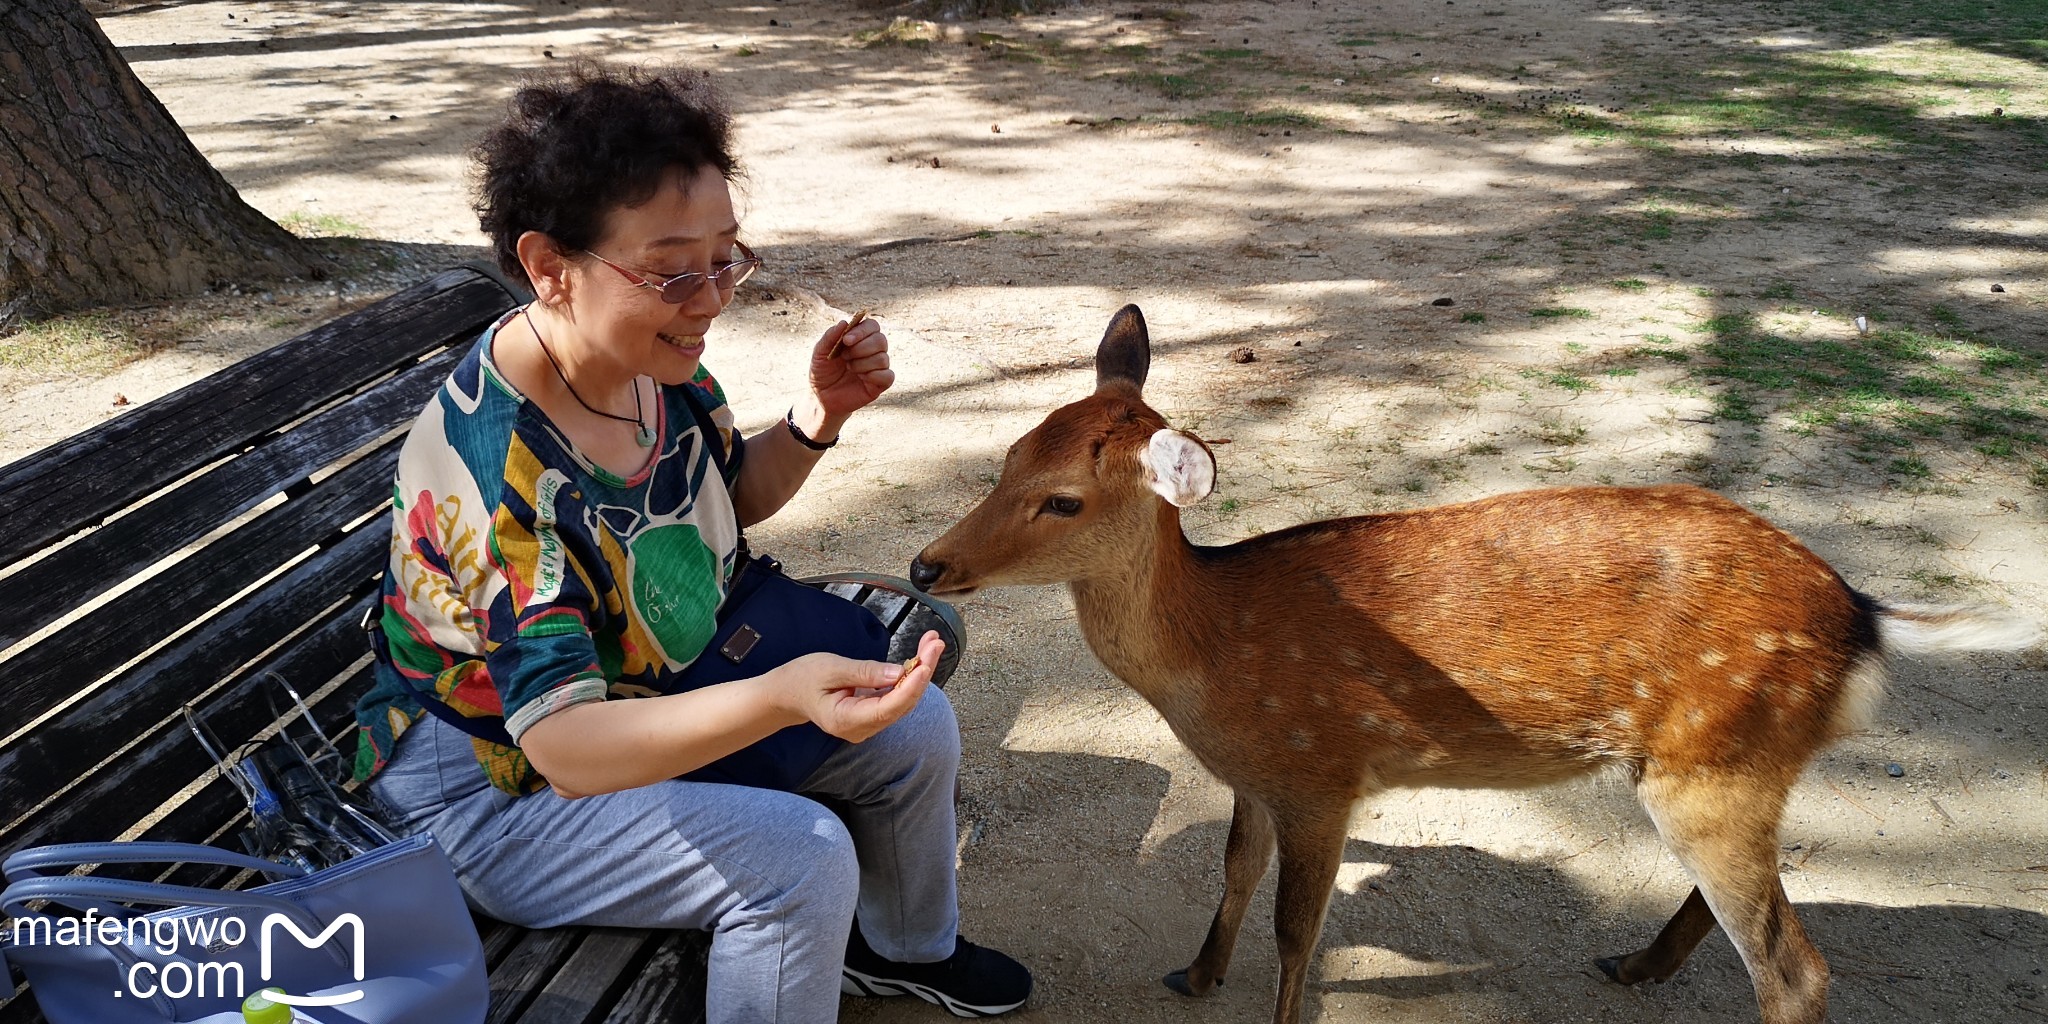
(1179, 468)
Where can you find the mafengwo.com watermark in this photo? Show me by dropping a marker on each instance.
(198, 974)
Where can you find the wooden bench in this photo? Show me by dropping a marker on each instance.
(237, 527)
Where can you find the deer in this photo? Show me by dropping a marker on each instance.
(1508, 642)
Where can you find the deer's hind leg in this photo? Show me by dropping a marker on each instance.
(1245, 856)
(1662, 958)
(1723, 826)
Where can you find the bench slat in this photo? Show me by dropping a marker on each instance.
(46, 590)
(670, 988)
(54, 668)
(603, 963)
(80, 481)
(58, 751)
(533, 960)
(109, 800)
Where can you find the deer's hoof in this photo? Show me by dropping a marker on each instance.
(1611, 966)
(1178, 981)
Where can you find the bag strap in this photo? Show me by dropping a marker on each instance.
(71, 890)
(30, 863)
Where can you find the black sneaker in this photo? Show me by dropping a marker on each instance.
(974, 982)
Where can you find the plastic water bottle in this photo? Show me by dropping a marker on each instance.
(260, 1009)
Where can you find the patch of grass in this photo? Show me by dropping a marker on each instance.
(1174, 87)
(1552, 464)
(1632, 285)
(914, 33)
(1883, 393)
(1449, 470)
(1481, 448)
(1472, 317)
(1569, 381)
(1936, 580)
(1358, 42)
(1657, 223)
(1670, 355)
(78, 343)
(1779, 290)
(1913, 467)
(1560, 434)
(1569, 312)
(320, 225)
(1228, 506)
(1279, 117)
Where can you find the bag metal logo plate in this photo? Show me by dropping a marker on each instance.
(742, 641)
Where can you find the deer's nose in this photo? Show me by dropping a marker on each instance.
(923, 574)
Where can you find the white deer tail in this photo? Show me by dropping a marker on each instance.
(1923, 629)
(1945, 629)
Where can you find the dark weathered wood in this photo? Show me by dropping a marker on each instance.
(167, 758)
(670, 987)
(533, 960)
(20, 1010)
(184, 594)
(600, 968)
(81, 481)
(47, 589)
(252, 420)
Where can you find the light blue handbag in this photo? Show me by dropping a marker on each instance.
(382, 938)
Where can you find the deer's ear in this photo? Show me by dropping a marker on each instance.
(1179, 467)
(1125, 353)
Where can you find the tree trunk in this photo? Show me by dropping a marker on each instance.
(103, 200)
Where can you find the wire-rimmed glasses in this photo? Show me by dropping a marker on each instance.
(681, 288)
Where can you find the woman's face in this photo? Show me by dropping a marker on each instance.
(688, 226)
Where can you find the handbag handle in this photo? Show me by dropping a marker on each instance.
(30, 863)
(68, 890)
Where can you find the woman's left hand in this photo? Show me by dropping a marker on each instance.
(857, 374)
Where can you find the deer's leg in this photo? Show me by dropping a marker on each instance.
(1311, 847)
(1661, 959)
(1245, 855)
(1724, 827)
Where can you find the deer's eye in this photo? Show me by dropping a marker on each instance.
(1063, 505)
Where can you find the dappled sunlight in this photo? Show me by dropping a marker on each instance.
(1392, 255)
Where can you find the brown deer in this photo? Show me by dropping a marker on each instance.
(1507, 642)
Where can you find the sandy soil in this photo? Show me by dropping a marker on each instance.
(1403, 169)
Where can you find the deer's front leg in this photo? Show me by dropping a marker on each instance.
(1245, 855)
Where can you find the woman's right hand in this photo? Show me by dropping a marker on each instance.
(854, 700)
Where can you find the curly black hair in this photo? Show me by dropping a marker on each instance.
(591, 137)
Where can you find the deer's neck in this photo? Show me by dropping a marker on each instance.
(1140, 614)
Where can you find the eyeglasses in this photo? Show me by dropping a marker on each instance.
(681, 288)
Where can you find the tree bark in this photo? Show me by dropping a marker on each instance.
(103, 199)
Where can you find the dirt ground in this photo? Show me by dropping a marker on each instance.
(1471, 246)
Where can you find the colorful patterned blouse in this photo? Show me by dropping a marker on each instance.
(525, 579)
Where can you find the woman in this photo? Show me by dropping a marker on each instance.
(562, 537)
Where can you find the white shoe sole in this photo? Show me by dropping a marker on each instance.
(855, 983)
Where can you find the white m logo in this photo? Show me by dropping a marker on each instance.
(313, 942)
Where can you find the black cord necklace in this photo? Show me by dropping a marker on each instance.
(643, 435)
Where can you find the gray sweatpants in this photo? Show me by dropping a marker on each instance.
(775, 877)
